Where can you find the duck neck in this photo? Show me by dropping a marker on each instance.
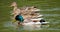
(15, 7)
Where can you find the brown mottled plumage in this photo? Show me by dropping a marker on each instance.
(26, 12)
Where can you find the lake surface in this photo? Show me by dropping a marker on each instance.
(49, 8)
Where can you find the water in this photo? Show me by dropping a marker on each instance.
(49, 8)
(52, 9)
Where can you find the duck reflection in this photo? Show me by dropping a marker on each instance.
(33, 27)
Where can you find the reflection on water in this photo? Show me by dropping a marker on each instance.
(51, 9)
(34, 27)
(53, 29)
(26, 27)
(31, 27)
(51, 14)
